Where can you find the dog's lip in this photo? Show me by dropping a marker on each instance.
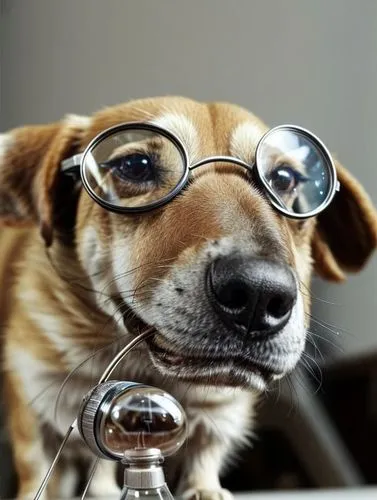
(174, 358)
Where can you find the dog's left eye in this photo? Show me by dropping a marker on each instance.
(136, 167)
(283, 178)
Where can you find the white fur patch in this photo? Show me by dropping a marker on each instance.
(78, 121)
(292, 336)
(123, 272)
(98, 265)
(91, 252)
(245, 138)
(184, 129)
(5, 141)
(42, 388)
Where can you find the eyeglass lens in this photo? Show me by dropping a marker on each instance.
(295, 170)
(133, 168)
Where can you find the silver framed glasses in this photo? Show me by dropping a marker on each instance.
(137, 167)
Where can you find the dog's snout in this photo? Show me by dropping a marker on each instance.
(252, 294)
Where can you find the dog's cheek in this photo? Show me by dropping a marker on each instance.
(304, 269)
(123, 268)
(93, 243)
(92, 255)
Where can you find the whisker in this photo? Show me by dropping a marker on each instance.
(293, 394)
(332, 328)
(312, 360)
(315, 297)
(309, 368)
(40, 394)
(314, 344)
(66, 279)
(325, 339)
(74, 371)
(302, 382)
(125, 294)
(127, 273)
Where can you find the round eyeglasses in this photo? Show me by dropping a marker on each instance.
(137, 167)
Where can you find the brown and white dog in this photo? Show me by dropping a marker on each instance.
(78, 281)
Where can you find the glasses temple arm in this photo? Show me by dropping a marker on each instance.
(71, 165)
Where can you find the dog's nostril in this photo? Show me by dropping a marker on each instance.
(234, 296)
(278, 306)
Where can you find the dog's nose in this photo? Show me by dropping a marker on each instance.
(252, 294)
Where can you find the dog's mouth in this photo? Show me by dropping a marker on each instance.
(233, 370)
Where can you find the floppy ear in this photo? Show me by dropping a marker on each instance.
(30, 160)
(346, 232)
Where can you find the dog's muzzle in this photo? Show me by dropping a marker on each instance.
(237, 321)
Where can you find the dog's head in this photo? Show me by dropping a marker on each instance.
(220, 274)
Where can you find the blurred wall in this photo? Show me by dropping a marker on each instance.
(307, 62)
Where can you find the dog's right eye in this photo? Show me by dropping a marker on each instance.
(136, 167)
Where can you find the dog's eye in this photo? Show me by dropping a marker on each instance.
(283, 178)
(136, 167)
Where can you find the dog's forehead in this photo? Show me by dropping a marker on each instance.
(215, 128)
(204, 128)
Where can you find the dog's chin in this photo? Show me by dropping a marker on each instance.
(232, 371)
(205, 369)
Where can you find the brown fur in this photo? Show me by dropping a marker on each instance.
(219, 202)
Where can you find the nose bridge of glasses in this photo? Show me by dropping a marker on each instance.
(220, 159)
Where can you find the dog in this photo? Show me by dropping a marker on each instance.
(80, 281)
